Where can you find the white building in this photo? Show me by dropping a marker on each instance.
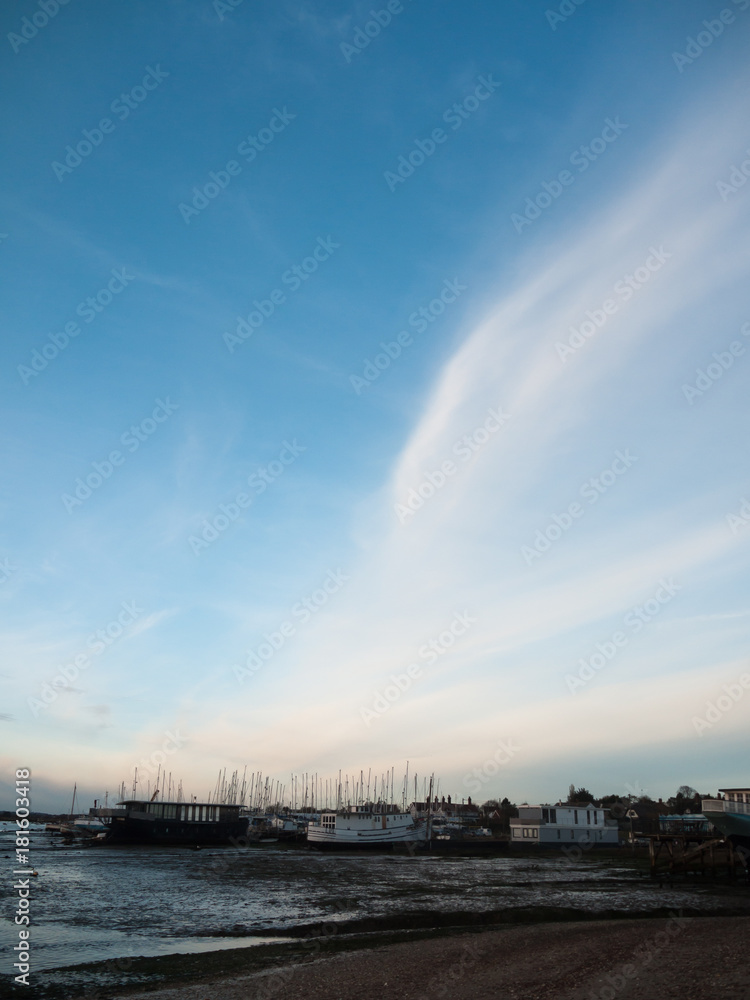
(563, 824)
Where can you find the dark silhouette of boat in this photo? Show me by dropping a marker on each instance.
(140, 821)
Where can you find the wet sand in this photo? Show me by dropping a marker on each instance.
(690, 958)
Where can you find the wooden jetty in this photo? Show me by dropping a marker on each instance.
(695, 854)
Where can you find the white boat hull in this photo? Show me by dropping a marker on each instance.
(362, 831)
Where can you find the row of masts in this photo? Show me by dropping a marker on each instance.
(305, 793)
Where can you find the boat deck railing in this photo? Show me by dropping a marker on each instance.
(725, 805)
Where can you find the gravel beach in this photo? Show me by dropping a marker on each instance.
(644, 959)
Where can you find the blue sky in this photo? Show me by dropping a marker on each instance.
(570, 217)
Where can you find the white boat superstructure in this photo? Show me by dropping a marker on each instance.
(374, 824)
(730, 814)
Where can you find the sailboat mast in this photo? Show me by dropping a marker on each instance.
(429, 816)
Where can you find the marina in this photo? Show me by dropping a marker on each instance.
(241, 813)
(137, 900)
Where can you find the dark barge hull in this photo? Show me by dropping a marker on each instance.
(188, 823)
(132, 830)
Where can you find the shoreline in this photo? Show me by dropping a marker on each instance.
(218, 972)
(641, 959)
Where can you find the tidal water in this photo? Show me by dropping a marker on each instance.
(91, 904)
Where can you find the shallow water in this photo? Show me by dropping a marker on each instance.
(89, 904)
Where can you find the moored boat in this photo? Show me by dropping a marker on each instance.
(371, 825)
(730, 814)
(195, 823)
(288, 828)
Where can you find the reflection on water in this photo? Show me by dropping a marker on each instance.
(97, 903)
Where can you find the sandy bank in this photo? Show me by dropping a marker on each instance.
(690, 959)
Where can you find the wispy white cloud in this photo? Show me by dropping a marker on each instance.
(461, 551)
(141, 625)
(462, 548)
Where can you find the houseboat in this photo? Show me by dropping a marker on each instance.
(730, 814)
(372, 825)
(561, 825)
(139, 821)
